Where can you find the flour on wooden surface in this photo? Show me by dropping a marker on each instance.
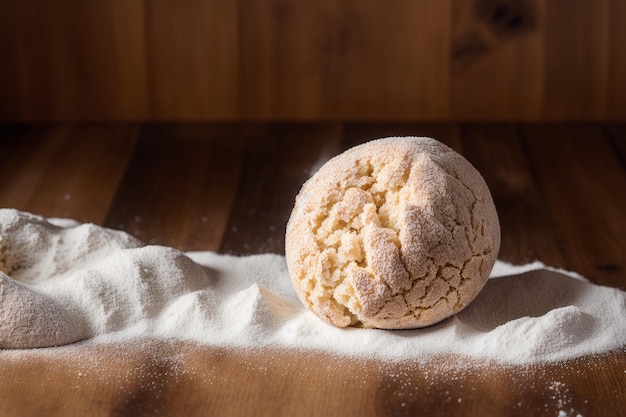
(62, 282)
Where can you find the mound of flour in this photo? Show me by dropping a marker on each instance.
(63, 282)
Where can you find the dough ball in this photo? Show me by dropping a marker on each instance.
(395, 233)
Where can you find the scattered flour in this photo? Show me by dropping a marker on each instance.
(62, 282)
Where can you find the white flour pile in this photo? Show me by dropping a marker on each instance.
(63, 282)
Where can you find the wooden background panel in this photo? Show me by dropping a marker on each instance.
(80, 60)
(361, 60)
(498, 46)
(349, 59)
(576, 59)
(192, 58)
(284, 53)
(391, 60)
(10, 104)
(617, 62)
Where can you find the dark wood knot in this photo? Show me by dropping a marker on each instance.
(469, 48)
(507, 17)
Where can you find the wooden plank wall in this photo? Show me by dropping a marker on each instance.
(181, 60)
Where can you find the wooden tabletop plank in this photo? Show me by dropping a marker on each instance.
(175, 378)
(527, 231)
(11, 140)
(582, 182)
(356, 133)
(278, 160)
(180, 185)
(63, 171)
(617, 134)
(559, 192)
(26, 161)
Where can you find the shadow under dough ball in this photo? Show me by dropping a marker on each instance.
(395, 233)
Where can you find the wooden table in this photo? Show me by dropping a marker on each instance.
(561, 195)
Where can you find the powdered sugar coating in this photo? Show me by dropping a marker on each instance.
(394, 233)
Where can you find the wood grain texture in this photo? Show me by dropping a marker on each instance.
(576, 59)
(285, 157)
(583, 183)
(356, 133)
(385, 68)
(283, 46)
(193, 60)
(499, 154)
(497, 45)
(331, 60)
(617, 62)
(180, 186)
(617, 134)
(174, 378)
(11, 103)
(559, 190)
(80, 60)
(66, 171)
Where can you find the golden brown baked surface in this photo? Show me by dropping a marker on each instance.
(394, 233)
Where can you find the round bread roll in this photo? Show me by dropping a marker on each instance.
(396, 233)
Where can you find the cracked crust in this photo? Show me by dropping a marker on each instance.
(395, 233)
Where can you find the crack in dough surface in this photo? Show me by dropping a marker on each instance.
(394, 233)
